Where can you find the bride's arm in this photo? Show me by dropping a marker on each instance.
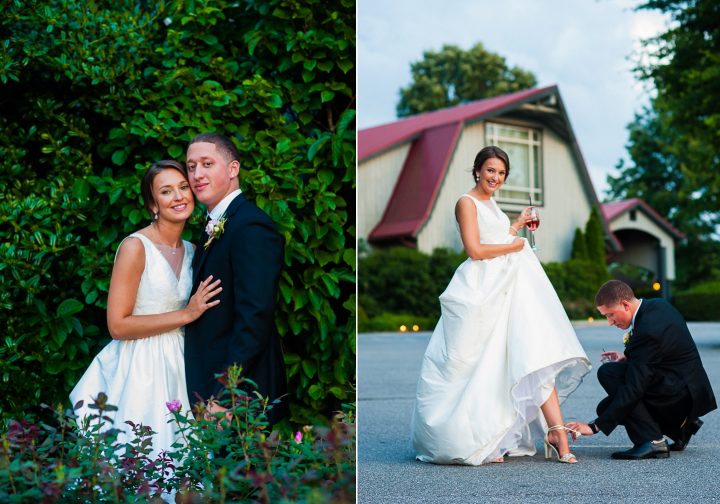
(466, 215)
(124, 283)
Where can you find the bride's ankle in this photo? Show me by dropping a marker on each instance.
(559, 439)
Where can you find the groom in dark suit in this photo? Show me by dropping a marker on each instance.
(242, 248)
(658, 386)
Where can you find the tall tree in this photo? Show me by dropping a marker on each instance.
(452, 76)
(675, 145)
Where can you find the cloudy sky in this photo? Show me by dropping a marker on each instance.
(586, 47)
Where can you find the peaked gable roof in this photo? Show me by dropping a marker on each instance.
(615, 209)
(434, 137)
(373, 141)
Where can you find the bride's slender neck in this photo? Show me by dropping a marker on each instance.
(168, 233)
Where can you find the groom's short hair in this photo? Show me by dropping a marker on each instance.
(223, 144)
(612, 292)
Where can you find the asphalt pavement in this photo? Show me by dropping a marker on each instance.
(388, 368)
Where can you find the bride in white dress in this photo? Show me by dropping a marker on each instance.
(143, 368)
(503, 350)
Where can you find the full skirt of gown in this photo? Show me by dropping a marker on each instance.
(502, 343)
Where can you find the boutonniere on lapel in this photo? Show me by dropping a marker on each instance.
(626, 338)
(214, 229)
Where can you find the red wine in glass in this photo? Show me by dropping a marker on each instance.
(532, 225)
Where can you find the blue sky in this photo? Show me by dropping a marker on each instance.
(587, 47)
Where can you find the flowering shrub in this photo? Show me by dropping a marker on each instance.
(222, 458)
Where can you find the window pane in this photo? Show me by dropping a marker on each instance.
(519, 164)
(523, 148)
(513, 133)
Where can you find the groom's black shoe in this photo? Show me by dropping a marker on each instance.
(646, 450)
(686, 432)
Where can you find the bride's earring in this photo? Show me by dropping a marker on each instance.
(155, 216)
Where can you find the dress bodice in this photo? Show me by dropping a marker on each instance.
(160, 291)
(493, 224)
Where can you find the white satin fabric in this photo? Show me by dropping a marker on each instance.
(502, 343)
(140, 376)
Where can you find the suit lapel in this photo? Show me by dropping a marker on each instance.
(198, 259)
(198, 262)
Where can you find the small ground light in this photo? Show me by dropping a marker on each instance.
(591, 319)
(403, 328)
(416, 327)
(656, 286)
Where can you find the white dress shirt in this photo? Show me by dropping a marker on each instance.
(221, 207)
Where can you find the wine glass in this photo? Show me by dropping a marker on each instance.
(532, 225)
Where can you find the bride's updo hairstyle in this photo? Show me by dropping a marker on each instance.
(147, 181)
(486, 153)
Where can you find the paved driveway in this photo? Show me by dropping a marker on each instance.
(389, 364)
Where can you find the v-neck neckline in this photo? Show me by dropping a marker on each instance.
(165, 261)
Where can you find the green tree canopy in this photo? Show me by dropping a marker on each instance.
(452, 76)
(92, 92)
(674, 145)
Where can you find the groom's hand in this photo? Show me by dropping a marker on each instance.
(212, 408)
(612, 356)
(579, 428)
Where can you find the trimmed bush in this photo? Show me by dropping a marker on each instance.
(92, 93)
(391, 322)
(701, 302)
(405, 280)
(576, 281)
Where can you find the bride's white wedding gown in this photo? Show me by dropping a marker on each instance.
(140, 376)
(502, 343)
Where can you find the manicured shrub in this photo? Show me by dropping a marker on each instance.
(405, 280)
(391, 322)
(702, 302)
(92, 92)
(576, 281)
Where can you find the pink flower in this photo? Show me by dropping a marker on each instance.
(174, 406)
(298, 437)
(214, 229)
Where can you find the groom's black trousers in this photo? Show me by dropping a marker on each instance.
(653, 416)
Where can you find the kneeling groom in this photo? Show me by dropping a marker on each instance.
(658, 387)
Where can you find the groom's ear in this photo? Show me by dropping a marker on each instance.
(234, 168)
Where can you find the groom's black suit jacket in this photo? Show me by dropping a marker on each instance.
(663, 364)
(247, 257)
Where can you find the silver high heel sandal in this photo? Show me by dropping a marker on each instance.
(568, 458)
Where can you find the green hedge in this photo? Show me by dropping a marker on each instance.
(92, 93)
(576, 282)
(405, 280)
(391, 322)
(701, 302)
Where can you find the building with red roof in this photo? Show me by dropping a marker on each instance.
(412, 171)
(646, 238)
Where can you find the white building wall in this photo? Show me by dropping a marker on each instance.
(566, 205)
(376, 180)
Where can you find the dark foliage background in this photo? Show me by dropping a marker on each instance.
(92, 92)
